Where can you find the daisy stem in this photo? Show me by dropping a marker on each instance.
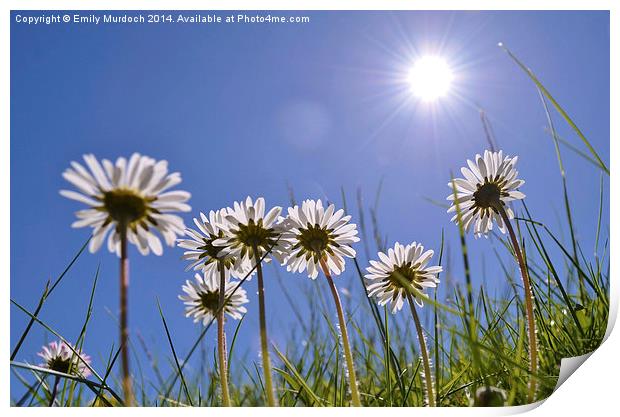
(221, 337)
(428, 380)
(54, 391)
(529, 309)
(124, 286)
(355, 397)
(271, 401)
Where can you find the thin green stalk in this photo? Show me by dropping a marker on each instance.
(355, 397)
(124, 331)
(271, 400)
(529, 309)
(428, 376)
(54, 391)
(221, 337)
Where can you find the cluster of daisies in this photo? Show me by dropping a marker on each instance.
(133, 198)
(310, 238)
(310, 234)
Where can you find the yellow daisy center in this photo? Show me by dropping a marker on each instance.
(488, 196)
(314, 239)
(125, 205)
(210, 301)
(59, 365)
(255, 235)
(404, 276)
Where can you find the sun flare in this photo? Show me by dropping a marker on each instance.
(430, 78)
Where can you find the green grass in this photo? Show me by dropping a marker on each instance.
(476, 338)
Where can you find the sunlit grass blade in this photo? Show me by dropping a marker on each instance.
(559, 108)
(301, 381)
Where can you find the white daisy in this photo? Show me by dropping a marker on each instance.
(59, 357)
(313, 233)
(133, 192)
(202, 297)
(200, 249)
(247, 228)
(249, 236)
(489, 184)
(390, 278)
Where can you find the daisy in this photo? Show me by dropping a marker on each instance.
(133, 194)
(482, 198)
(202, 297)
(203, 254)
(316, 239)
(250, 235)
(128, 200)
(207, 299)
(249, 232)
(313, 233)
(403, 270)
(403, 273)
(489, 184)
(59, 357)
(211, 259)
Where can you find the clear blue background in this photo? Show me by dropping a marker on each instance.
(245, 109)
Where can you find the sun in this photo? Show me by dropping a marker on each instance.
(430, 78)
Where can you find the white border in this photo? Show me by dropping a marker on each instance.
(593, 388)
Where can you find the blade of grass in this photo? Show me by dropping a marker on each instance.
(62, 339)
(174, 354)
(232, 343)
(298, 377)
(436, 327)
(569, 216)
(31, 389)
(574, 149)
(79, 344)
(109, 368)
(46, 293)
(90, 384)
(557, 106)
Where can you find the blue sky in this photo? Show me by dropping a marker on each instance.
(247, 109)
